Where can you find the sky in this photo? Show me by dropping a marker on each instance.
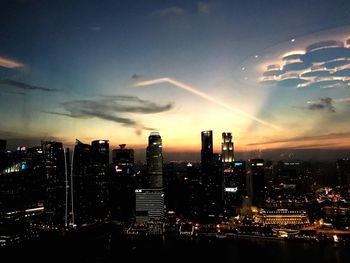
(276, 74)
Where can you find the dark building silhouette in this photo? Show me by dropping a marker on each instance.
(343, 171)
(83, 189)
(3, 145)
(100, 171)
(234, 174)
(122, 184)
(207, 150)
(255, 182)
(212, 179)
(54, 162)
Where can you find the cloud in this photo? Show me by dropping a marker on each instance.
(9, 63)
(336, 63)
(24, 86)
(110, 107)
(203, 8)
(322, 104)
(324, 64)
(305, 138)
(136, 76)
(169, 11)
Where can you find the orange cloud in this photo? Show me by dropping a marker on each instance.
(9, 63)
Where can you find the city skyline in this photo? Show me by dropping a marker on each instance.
(275, 75)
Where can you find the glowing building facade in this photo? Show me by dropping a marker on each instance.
(227, 148)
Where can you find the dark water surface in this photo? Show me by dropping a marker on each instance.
(110, 247)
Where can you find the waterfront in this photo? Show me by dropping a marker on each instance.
(109, 246)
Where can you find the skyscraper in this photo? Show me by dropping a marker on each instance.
(150, 202)
(54, 161)
(155, 160)
(227, 151)
(83, 185)
(122, 184)
(207, 150)
(343, 172)
(255, 182)
(100, 165)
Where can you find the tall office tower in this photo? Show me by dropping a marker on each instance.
(122, 186)
(207, 150)
(55, 169)
(255, 182)
(100, 170)
(234, 186)
(155, 160)
(83, 186)
(227, 150)
(343, 171)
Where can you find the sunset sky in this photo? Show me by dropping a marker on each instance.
(274, 73)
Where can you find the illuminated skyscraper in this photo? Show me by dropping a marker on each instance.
(227, 152)
(155, 160)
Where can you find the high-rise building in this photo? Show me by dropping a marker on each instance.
(122, 184)
(207, 150)
(255, 182)
(55, 170)
(343, 171)
(123, 160)
(150, 202)
(234, 186)
(83, 185)
(100, 171)
(155, 160)
(227, 150)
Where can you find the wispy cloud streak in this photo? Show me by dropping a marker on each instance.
(24, 86)
(110, 107)
(9, 63)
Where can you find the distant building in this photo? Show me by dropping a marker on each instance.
(149, 204)
(154, 158)
(343, 171)
(123, 158)
(234, 174)
(282, 218)
(227, 148)
(255, 182)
